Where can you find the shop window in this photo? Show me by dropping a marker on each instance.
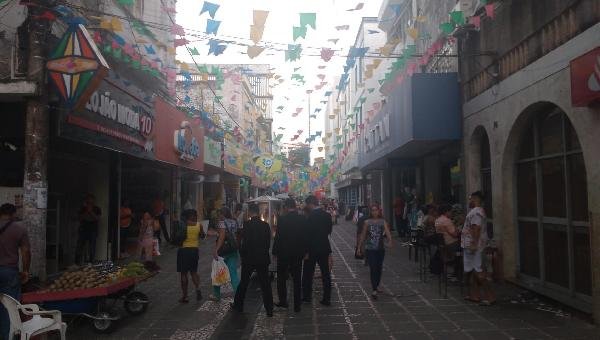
(552, 204)
(526, 189)
(579, 200)
(556, 257)
(582, 261)
(553, 182)
(529, 249)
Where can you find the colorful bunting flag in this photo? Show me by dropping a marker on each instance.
(457, 17)
(254, 51)
(308, 19)
(342, 27)
(215, 47)
(209, 7)
(326, 54)
(299, 32)
(260, 17)
(212, 26)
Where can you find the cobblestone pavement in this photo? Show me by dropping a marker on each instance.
(408, 309)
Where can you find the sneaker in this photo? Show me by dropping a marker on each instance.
(374, 295)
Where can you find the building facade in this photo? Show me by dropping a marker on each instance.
(530, 117)
(123, 140)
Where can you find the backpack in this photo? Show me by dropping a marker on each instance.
(229, 243)
(179, 233)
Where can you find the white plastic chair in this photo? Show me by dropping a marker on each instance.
(40, 323)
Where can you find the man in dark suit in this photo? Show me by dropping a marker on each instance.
(254, 251)
(318, 229)
(290, 248)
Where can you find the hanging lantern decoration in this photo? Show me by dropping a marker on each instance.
(76, 66)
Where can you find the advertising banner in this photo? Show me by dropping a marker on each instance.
(178, 138)
(212, 152)
(117, 116)
(236, 160)
(585, 79)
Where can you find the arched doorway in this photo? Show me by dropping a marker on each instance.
(552, 209)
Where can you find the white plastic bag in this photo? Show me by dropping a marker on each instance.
(220, 273)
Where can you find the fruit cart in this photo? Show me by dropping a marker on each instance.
(96, 303)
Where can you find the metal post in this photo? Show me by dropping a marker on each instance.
(35, 179)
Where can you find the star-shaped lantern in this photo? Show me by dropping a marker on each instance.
(76, 66)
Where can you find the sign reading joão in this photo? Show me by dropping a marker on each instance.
(117, 115)
(585, 78)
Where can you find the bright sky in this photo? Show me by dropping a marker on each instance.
(236, 16)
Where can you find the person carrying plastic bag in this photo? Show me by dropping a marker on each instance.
(220, 272)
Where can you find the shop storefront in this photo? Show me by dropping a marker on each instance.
(422, 150)
(86, 156)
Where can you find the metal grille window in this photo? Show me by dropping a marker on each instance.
(552, 208)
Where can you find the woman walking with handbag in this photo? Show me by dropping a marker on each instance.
(375, 228)
(227, 247)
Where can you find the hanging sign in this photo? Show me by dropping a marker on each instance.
(178, 139)
(585, 79)
(117, 116)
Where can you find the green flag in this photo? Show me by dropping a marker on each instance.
(308, 19)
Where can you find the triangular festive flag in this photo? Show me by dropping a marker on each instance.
(215, 47)
(254, 51)
(299, 32)
(447, 27)
(194, 51)
(326, 54)
(180, 42)
(126, 2)
(212, 26)
(490, 10)
(149, 49)
(457, 17)
(475, 21)
(210, 8)
(177, 30)
(413, 33)
(293, 52)
(256, 33)
(342, 27)
(116, 25)
(308, 19)
(260, 17)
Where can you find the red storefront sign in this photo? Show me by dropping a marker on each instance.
(179, 139)
(585, 79)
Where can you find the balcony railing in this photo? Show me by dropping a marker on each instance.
(557, 32)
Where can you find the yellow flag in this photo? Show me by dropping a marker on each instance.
(254, 51)
(256, 33)
(260, 17)
(116, 25)
(106, 24)
(413, 33)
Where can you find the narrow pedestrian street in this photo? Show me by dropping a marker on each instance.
(407, 309)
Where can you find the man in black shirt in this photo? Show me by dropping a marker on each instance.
(289, 249)
(319, 226)
(254, 251)
(89, 218)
